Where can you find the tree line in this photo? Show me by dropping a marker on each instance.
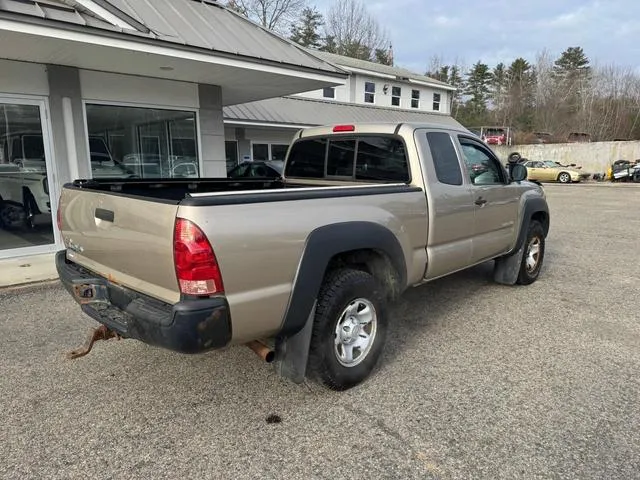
(348, 28)
(555, 97)
(551, 96)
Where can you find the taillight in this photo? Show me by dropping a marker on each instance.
(196, 265)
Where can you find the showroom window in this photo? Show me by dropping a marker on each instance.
(25, 200)
(231, 153)
(136, 142)
(269, 151)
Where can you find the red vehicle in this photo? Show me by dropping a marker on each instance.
(496, 135)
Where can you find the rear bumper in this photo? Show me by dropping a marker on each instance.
(189, 326)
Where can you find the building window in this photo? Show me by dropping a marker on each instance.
(415, 98)
(329, 92)
(369, 92)
(142, 142)
(231, 153)
(436, 102)
(396, 93)
(274, 152)
(25, 205)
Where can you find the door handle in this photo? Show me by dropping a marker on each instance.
(103, 214)
(480, 201)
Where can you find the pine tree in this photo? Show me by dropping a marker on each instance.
(478, 87)
(521, 82)
(305, 31)
(572, 78)
(383, 56)
(573, 61)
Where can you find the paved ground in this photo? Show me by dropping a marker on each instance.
(479, 381)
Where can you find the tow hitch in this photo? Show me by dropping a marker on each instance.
(100, 333)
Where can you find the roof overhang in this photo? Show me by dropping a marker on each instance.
(242, 79)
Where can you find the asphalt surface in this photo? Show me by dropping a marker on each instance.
(479, 381)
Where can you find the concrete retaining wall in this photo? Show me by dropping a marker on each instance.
(595, 157)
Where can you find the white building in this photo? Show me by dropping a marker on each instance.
(372, 92)
(156, 89)
(123, 87)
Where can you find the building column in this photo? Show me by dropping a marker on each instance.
(68, 131)
(244, 144)
(212, 131)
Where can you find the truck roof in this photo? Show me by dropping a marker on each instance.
(379, 127)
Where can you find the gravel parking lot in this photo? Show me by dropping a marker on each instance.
(479, 381)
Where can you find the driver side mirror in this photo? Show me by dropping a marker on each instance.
(518, 172)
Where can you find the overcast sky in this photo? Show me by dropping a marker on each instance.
(501, 30)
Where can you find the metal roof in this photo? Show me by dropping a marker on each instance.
(305, 112)
(399, 73)
(200, 24)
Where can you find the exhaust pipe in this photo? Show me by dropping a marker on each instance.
(260, 349)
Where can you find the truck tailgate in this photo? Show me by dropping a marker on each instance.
(128, 240)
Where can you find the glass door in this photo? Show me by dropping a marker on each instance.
(27, 192)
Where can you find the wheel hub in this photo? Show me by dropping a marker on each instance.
(350, 330)
(533, 254)
(355, 332)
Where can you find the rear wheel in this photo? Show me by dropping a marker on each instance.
(349, 329)
(533, 254)
(564, 177)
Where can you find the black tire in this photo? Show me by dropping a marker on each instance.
(535, 233)
(564, 177)
(340, 289)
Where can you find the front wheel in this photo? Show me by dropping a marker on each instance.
(533, 254)
(349, 329)
(564, 177)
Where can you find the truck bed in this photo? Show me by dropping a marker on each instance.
(176, 189)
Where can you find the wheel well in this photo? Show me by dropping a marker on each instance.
(374, 262)
(543, 218)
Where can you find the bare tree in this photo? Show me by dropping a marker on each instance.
(352, 31)
(276, 15)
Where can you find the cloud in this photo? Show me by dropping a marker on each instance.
(444, 21)
(501, 30)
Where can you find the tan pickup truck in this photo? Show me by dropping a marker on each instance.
(301, 268)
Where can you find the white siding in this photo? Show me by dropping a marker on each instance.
(341, 93)
(23, 78)
(113, 87)
(270, 135)
(384, 100)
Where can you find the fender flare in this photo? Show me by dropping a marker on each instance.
(321, 246)
(507, 267)
(531, 207)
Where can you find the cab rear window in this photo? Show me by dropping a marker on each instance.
(365, 158)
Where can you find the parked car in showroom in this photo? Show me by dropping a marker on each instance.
(24, 186)
(268, 169)
(550, 171)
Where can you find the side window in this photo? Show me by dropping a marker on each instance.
(369, 92)
(340, 158)
(306, 159)
(445, 158)
(383, 159)
(482, 168)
